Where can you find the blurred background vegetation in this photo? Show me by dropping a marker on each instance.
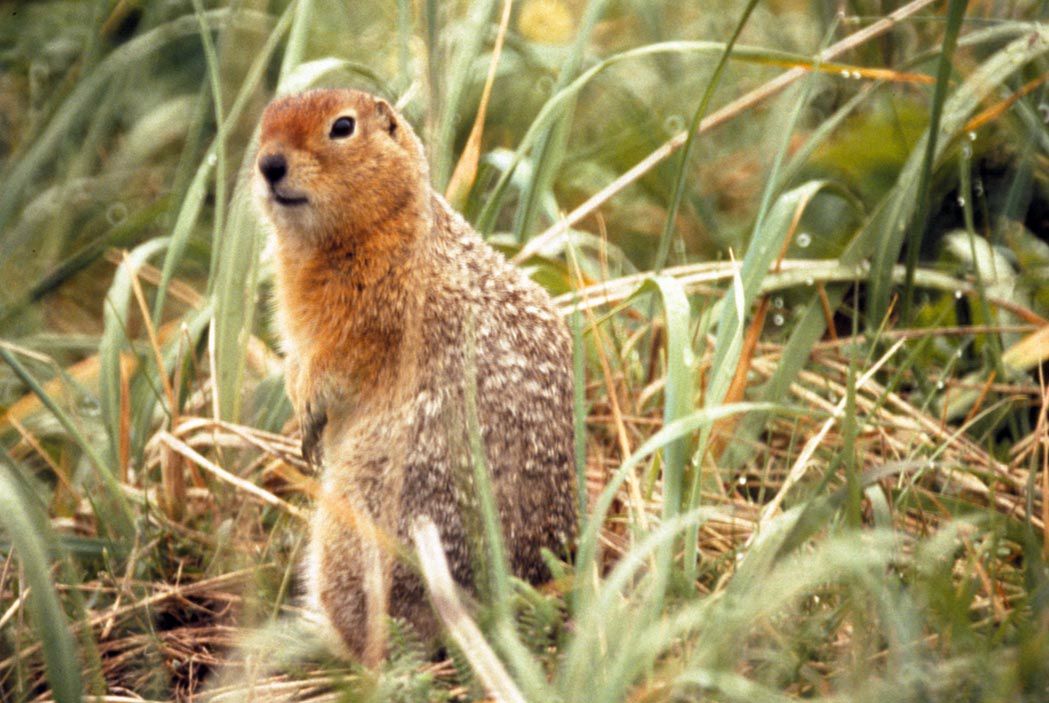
(810, 339)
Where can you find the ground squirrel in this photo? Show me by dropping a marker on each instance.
(392, 308)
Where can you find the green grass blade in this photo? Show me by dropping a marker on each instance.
(122, 235)
(434, 77)
(882, 237)
(765, 246)
(219, 144)
(234, 277)
(679, 384)
(955, 15)
(559, 104)
(470, 35)
(730, 685)
(770, 233)
(579, 408)
(115, 505)
(884, 228)
(188, 213)
(550, 142)
(498, 570)
(114, 340)
(576, 667)
(295, 50)
(18, 179)
(146, 392)
(498, 576)
(693, 132)
(192, 204)
(619, 609)
(30, 534)
(233, 292)
(404, 48)
(677, 403)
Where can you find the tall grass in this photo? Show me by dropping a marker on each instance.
(804, 270)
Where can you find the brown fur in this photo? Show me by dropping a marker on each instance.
(389, 304)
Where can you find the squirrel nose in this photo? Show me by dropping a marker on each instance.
(273, 167)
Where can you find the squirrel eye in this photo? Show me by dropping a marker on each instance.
(342, 128)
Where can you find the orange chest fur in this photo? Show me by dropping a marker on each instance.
(339, 321)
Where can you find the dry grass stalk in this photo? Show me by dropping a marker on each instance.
(453, 614)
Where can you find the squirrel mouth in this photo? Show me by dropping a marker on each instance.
(288, 200)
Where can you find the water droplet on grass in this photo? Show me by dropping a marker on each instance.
(116, 213)
(674, 124)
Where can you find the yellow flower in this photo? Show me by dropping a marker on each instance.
(546, 21)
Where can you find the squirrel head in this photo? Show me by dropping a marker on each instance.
(338, 163)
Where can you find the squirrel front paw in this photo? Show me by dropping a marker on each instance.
(313, 421)
(310, 408)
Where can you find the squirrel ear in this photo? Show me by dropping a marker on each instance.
(387, 116)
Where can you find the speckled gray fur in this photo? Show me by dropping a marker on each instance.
(486, 311)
